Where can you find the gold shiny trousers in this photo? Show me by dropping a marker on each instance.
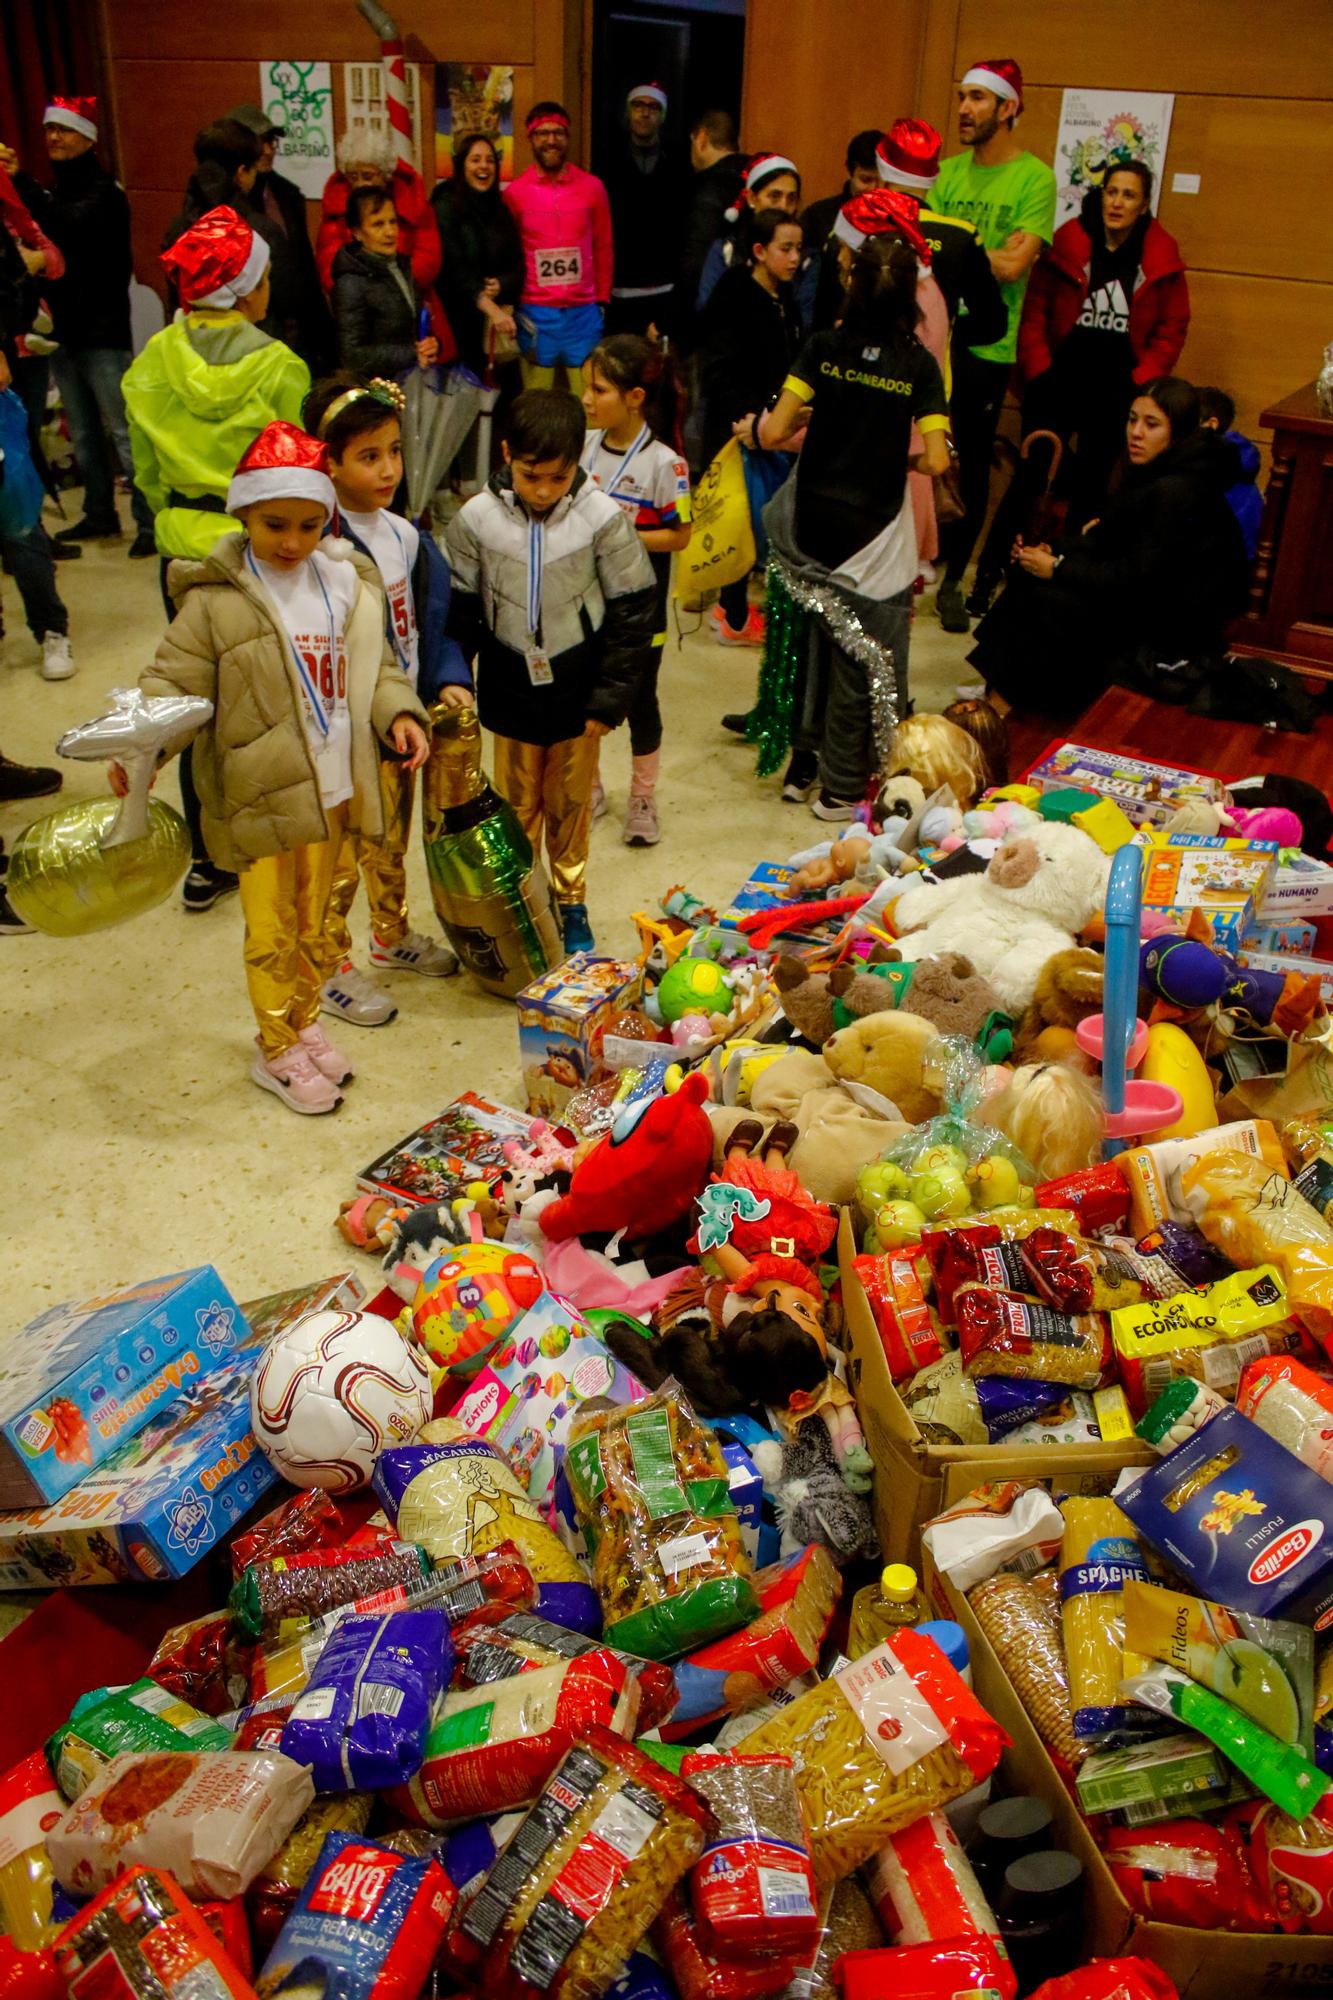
(383, 865)
(285, 898)
(549, 785)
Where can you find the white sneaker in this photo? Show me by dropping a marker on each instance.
(415, 954)
(57, 662)
(330, 1062)
(294, 1079)
(641, 828)
(350, 996)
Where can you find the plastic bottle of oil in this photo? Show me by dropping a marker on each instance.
(881, 1609)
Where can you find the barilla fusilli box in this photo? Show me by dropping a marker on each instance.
(80, 1379)
(1243, 1519)
(366, 1926)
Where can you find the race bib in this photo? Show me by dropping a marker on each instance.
(559, 267)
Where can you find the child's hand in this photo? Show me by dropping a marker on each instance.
(457, 697)
(594, 731)
(411, 742)
(428, 350)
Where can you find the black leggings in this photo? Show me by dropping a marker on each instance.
(974, 413)
(735, 601)
(645, 712)
(199, 855)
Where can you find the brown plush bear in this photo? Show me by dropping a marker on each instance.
(890, 1053)
(948, 991)
(806, 999)
(1069, 988)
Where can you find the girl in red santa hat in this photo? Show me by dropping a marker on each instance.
(286, 638)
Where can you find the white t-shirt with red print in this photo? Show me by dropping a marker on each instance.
(393, 544)
(314, 603)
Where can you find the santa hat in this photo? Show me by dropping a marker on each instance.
(884, 211)
(218, 260)
(1002, 76)
(650, 90)
(762, 168)
(908, 156)
(282, 463)
(78, 113)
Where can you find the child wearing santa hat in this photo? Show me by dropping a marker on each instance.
(286, 638)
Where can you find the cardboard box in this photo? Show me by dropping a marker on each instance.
(1301, 887)
(909, 1471)
(1290, 940)
(561, 1020)
(464, 1142)
(81, 1378)
(1223, 881)
(768, 888)
(1205, 1965)
(163, 1498)
(1147, 793)
(1275, 961)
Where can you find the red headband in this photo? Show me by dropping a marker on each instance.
(536, 118)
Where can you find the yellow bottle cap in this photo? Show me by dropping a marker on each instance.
(898, 1583)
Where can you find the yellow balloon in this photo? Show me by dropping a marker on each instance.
(62, 881)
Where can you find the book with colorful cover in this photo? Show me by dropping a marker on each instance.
(464, 1142)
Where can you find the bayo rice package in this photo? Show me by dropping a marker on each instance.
(366, 1926)
(360, 1724)
(455, 1495)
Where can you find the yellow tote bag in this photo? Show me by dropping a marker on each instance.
(721, 546)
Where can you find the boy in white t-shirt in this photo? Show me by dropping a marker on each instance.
(359, 422)
(287, 642)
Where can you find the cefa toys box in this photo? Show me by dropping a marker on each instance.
(562, 1018)
(80, 1379)
(1148, 794)
(1243, 1519)
(1223, 880)
(524, 1400)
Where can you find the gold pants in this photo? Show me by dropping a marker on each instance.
(382, 863)
(537, 377)
(285, 899)
(549, 785)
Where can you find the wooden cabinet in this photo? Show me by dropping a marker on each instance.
(1290, 616)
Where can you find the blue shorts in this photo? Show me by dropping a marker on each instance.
(551, 334)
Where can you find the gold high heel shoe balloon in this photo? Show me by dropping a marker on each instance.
(493, 901)
(102, 861)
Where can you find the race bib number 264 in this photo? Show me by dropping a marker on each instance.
(559, 267)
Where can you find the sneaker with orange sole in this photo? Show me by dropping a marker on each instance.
(750, 634)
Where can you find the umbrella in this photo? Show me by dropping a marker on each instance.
(441, 408)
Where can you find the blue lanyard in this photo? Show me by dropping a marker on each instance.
(309, 685)
(536, 547)
(645, 437)
(404, 658)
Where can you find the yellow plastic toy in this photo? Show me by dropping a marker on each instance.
(1106, 824)
(1172, 1058)
(1022, 795)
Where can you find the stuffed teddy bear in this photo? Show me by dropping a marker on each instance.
(811, 1499)
(1039, 890)
(890, 1054)
(1068, 990)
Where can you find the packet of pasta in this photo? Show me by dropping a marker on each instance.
(797, 1599)
(1099, 1554)
(1001, 1334)
(752, 1890)
(700, 1972)
(1262, 1666)
(893, 1735)
(1209, 1335)
(496, 1648)
(584, 1876)
(1020, 1616)
(1255, 1216)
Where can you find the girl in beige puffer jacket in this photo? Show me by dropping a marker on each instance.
(286, 638)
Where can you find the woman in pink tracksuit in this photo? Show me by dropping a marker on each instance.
(564, 218)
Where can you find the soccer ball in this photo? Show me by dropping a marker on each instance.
(331, 1392)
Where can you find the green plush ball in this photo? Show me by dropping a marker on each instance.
(693, 986)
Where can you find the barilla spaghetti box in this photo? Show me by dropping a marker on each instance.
(80, 1379)
(367, 1921)
(1243, 1519)
(561, 1020)
(1223, 880)
(1149, 794)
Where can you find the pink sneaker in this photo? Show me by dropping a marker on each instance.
(294, 1079)
(327, 1060)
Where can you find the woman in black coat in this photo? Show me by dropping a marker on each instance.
(376, 303)
(1155, 580)
(481, 276)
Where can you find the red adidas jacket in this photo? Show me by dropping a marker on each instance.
(1159, 313)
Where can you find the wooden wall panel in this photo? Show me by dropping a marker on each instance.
(1228, 48)
(1264, 167)
(1258, 341)
(452, 30)
(813, 78)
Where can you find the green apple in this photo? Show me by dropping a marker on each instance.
(897, 1224)
(940, 1193)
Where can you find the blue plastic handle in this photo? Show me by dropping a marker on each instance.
(1124, 903)
(423, 323)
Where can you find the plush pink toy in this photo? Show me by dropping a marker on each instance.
(1277, 823)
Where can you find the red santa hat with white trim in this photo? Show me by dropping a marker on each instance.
(1002, 77)
(653, 91)
(78, 113)
(763, 167)
(282, 463)
(908, 156)
(883, 211)
(217, 261)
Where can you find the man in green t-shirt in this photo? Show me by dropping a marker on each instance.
(1009, 197)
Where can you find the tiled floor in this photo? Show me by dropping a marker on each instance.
(134, 1142)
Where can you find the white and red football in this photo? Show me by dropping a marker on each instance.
(331, 1392)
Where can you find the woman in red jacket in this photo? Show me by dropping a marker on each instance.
(1107, 309)
(368, 159)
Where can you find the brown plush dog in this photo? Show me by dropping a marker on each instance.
(1069, 988)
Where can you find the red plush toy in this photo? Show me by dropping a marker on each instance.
(644, 1175)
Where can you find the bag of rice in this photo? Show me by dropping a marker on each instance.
(361, 1722)
(455, 1495)
(107, 1721)
(366, 1926)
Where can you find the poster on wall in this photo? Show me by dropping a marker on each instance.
(299, 97)
(1104, 128)
(473, 97)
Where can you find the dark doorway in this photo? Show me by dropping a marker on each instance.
(694, 48)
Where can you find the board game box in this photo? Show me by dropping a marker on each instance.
(464, 1142)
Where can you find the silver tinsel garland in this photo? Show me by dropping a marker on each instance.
(848, 633)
